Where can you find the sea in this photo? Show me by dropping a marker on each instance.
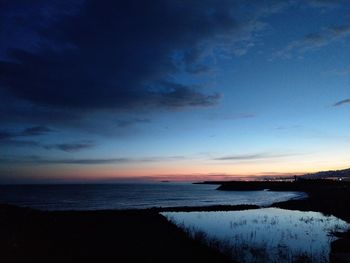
(133, 196)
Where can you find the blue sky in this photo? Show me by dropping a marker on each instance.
(178, 90)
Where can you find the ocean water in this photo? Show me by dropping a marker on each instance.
(264, 235)
(131, 196)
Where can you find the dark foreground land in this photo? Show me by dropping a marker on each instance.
(28, 235)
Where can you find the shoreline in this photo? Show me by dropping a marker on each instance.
(325, 196)
(57, 236)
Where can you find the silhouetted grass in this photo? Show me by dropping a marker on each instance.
(248, 251)
(247, 247)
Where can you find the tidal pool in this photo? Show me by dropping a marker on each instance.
(263, 235)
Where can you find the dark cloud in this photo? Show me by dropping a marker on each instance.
(178, 96)
(231, 116)
(31, 131)
(21, 21)
(117, 55)
(35, 131)
(342, 102)
(19, 143)
(66, 147)
(85, 161)
(242, 157)
(70, 147)
(124, 123)
(16, 111)
(91, 161)
(62, 61)
(15, 139)
(5, 135)
(18, 139)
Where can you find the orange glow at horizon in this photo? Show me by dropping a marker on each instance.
(177, 172)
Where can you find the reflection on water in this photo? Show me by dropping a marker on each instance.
(264, 235)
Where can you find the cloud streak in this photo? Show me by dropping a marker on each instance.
(35, 131)
(314, 41)
(243, 157)
(27, 132)
(342, 102)
(88, 161)
(70, 147)
(124, 123)
(16, 139)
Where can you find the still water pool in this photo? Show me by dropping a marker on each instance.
(264, 235)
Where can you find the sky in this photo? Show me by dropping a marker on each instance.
(137, 90)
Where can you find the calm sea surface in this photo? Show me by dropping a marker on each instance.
(129, 196)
